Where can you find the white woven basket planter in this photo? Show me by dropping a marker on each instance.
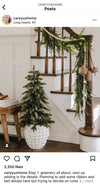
(38, 138)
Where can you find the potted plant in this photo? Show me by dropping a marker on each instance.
(36, 119)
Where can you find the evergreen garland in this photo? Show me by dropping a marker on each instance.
(33, 103)
(79, 83)
(82, 89)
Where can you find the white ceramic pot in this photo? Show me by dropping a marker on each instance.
(38, 138)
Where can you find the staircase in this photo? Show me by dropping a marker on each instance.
(57, 72)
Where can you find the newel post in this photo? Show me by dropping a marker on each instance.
(88, 107)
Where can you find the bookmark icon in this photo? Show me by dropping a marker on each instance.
(92, 158)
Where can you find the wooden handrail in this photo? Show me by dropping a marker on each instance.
(71, 32)
(75, 35)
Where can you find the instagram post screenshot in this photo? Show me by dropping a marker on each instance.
(49, 91)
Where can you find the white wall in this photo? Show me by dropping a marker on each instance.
(14, 60)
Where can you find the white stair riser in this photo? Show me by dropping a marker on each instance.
(39, 65)
(34, 48)
(62, 100)
(66, 80)
(50, 62)
(52, 83)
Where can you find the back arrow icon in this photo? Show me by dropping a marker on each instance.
(4, 7)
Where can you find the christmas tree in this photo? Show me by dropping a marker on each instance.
(34, 102)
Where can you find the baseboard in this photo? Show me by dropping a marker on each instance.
(60, 138)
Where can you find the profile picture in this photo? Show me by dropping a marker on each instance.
(6, 19)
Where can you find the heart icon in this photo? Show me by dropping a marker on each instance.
(6, 158)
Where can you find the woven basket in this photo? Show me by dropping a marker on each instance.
(38, 138)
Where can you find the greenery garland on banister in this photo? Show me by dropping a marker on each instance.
(75, 45)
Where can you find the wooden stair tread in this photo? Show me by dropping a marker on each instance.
(62, 92)
(95, 132)
(49, 57)
(90, 133)
(37, 30)
(50, 74)
(41, 42)
(70, 110)
(58, 73)
(65, 91)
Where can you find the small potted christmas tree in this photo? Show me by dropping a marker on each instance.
(35, 118)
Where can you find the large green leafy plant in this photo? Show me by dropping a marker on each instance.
(34, 102)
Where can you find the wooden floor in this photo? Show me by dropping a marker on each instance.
(51, 146)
